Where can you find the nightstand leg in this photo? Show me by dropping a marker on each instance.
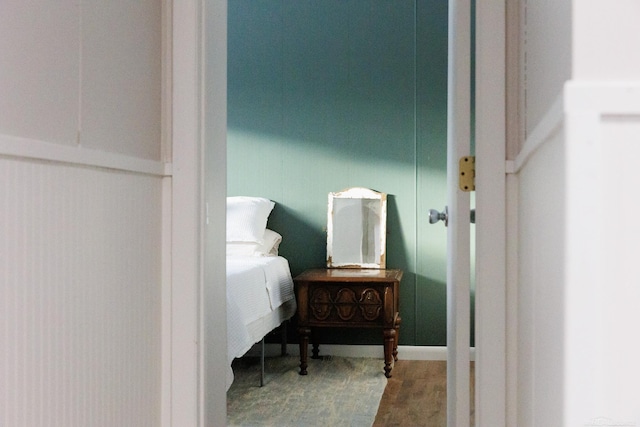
(315, 350)
(389, 340)
(304, 349)
(395, 343)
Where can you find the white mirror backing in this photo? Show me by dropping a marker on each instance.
(356, 229)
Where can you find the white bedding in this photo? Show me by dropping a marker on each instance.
(260, 297)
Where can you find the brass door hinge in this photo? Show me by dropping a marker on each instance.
(467, 173)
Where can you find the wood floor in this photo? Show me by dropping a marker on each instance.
(416, 395)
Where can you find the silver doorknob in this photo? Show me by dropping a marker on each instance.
(435, 216)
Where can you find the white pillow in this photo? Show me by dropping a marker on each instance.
(247, 218)
(268, 248)
(242, 248)
(271, 243)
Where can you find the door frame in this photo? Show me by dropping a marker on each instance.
(490, 167)
(185, 196)
(188, 357)
(194, 386)
(491, 215)
(459, 205)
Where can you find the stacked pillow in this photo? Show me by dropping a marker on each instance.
(247, 232)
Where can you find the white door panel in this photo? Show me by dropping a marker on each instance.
(458, 233)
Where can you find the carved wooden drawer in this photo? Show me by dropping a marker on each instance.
(359, 305)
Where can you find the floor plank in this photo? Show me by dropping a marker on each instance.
(416, 395)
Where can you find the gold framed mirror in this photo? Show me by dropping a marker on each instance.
(357, 229)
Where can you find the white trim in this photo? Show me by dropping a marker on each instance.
(213, 318)
(166, 122)
(31, 149)
(186, 256)
(609, 98)
(459, 229)
(405, 352)
(166, 275)
(511, 301)
(166, 113)
(542, 133)
(491, 130)
(510, 167)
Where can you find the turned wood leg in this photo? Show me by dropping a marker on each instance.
(304, 348)
(397, 338)
(315, 351)
(389, 339)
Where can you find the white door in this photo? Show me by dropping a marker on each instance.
(490, 367)
(458, 202)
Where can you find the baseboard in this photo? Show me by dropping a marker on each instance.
(405, 352)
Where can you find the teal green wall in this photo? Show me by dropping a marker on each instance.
(325, 95)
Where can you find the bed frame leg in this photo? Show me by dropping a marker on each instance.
(283, 343)
(262, 364)
(283, 349)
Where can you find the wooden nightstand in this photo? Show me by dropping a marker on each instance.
(349, 298)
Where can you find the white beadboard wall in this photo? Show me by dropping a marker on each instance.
(80, 295)
(540, 269)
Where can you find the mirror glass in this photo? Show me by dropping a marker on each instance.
(356, 229)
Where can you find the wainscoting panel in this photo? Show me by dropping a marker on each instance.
(80, 295)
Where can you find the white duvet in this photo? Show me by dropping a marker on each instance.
(260, 297)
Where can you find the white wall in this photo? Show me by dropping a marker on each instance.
(576, 220)
(604, 32)
(65, 66)
(39, 89)
(81, 218)
(546, 30)
(540, 284)
(602, 231)
(603, 110)
(80, 302)
(537, 343)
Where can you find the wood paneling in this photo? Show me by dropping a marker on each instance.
(328, 95)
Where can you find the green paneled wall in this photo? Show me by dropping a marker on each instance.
(325, 95)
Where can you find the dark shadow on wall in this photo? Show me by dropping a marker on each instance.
(398, 257)
(303, 244)
(432, 306)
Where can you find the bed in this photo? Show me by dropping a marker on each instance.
(260, 295)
